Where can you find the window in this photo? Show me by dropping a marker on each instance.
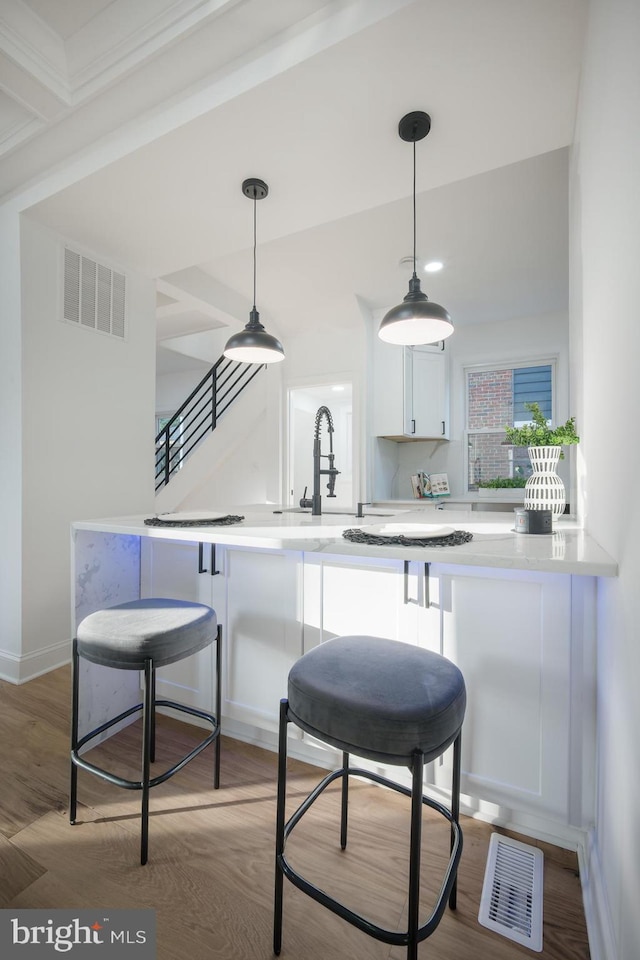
(497, 397)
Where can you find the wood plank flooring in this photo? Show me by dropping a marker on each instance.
(210, 873)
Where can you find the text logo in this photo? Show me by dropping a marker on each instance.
(79, 934)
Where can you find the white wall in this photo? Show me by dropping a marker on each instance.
(172, 389)
(239, 474)
(605, 238)
(235, 465)
(10, 445)
(511, 341)
(87, 427)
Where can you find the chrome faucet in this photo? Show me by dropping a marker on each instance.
(316, 501)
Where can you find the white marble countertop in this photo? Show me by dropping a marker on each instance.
(569, 549)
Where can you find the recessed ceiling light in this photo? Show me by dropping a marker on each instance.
(431, 266)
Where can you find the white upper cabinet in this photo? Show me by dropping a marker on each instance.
(426, 393)
(411, 392)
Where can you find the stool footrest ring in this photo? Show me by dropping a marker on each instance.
(316, 893)
(79, 761)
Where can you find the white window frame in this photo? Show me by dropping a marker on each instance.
(468, 368)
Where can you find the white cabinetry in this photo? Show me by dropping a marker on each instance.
(524, 639)
(411, 396)
(256, 596)
(509, 631)
(169, 568)
(510, 634)
(264, 632)
(345, 596)
(426, 397)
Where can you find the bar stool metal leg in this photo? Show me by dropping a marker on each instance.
(148, 711)
(345, 801)
(413, 918)
(455, 808)
(152, 748)
(218, 703)
(280, 813)
(75, 686)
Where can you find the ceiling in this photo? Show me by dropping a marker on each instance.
(142, 123)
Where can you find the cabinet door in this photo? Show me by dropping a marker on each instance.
(264, 632)
(427, 395)
(410, 396)
(388, 395)
(345, 596)
(169, 568)
(509, 632)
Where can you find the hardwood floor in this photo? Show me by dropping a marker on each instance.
(210, 873)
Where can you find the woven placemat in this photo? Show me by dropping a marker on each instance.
(450, 540)
(211, 522)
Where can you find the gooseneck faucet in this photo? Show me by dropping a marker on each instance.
(316, 501)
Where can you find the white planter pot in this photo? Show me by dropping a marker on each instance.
(545, 489)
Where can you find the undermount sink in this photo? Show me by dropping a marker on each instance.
(335, 513)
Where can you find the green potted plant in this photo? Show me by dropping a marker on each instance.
(540, 434)
(544, 489)
(503, 483)
(502, 488)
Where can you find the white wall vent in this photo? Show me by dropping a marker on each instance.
(94, 295)
(512, 895)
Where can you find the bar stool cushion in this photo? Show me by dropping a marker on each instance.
(380, 699)
(164, 630)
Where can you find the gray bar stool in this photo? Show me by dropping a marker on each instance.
(390, 702)
(144, 635)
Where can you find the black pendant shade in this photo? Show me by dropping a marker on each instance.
(254, 344)
(417, 319)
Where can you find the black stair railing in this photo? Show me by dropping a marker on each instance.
(199, 414)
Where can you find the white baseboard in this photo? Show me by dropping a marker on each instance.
(597, 913)
(20, 669)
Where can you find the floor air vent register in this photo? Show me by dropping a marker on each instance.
(511, 902)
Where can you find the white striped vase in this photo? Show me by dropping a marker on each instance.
(544, 489)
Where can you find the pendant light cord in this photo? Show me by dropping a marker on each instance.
(254, 245)
(414, 208)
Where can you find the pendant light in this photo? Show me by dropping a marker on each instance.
(254, 344)
(417, 319)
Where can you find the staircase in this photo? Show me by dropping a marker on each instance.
(199, 414)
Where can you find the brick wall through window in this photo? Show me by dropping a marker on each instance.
(490, 407)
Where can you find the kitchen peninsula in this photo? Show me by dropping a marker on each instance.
(516, 612)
